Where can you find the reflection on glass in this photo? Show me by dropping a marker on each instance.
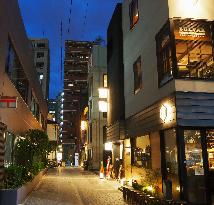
(16, 72)
(195, 59)
(196, 189)
(142, 152)
(172, 160)
(210, 149)
(193, 152)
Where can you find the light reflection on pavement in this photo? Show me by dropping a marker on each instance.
(73, 186)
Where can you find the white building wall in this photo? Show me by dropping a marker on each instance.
(140, 41)
(96, 72)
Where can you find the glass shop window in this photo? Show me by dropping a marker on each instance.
(171, 160)
(195, 182)
(210, 149)
(133, 13)
(142, 152)
(194, 49)
(137, 69)
(193, 152)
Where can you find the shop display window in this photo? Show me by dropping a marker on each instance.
(194, 167)
(193, 152)
(210, 149)
(142, 152)
(171, 160)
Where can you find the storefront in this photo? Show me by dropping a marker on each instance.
(187, 161)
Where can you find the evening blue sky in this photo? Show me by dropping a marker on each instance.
(42, 20)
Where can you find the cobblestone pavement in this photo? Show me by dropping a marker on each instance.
(73, 186)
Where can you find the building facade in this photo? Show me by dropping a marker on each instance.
(168, 90)
(77, 58)
(22, 104)
(41, 54)
(115, 70)
(97, 80)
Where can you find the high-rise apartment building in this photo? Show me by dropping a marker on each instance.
(77, 59)
(42, 63)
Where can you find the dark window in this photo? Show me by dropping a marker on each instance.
(133, 13)
(16, 72)
(110, 49)
(40, 55)
(104, 134)
(137, 75)
(39, 64)
(40, 45)
(90, 133)
(164, 55)
(104, 114)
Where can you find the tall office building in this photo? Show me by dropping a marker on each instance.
(77, 59)
(42, 63)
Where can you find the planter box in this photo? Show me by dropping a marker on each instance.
(17, 196)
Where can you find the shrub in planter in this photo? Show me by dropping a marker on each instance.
(14, 177)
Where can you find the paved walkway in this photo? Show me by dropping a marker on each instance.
(73, 186)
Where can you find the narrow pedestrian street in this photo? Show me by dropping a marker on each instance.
(73, 186)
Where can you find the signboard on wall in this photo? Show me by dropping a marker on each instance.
(8, 102)
(188, 29)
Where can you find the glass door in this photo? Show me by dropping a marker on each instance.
(210, 153)
(194, 165)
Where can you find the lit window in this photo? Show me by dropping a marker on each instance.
(41, 76)
(105, 80)
(137, 75)
(133, 13)
(194, 49)
(103, 106)
(70, 85)
(142, 152)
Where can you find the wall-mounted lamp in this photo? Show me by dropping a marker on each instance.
(103, 106)
(103, 93)
(166, 112)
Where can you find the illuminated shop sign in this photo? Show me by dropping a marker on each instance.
(192, 29)
(193, 32)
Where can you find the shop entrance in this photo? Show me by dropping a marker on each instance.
(198, 165)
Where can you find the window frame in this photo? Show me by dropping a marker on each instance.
(131, 13)
(104, 80)
(169, 29)
(138, 78)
